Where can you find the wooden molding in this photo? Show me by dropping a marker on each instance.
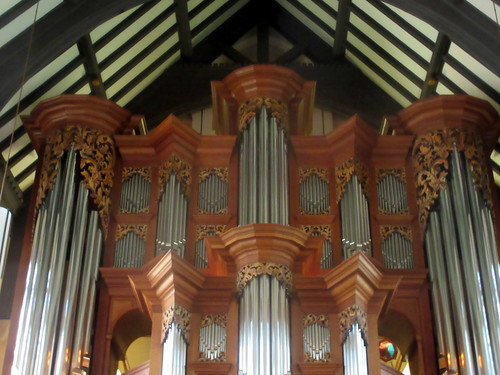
(83, 110)
(211, 368)
(255, 81)
(307, 368)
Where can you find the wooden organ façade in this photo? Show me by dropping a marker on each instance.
(261, 250)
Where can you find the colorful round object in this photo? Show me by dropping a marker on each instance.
(388, 350)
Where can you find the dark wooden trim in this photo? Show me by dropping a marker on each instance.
(184, 30)
(55, 33)
(381, 72)
(199, 8)
(452, 86)
(326, 8)
(213, 17)
(389, 36)
(21, 154)
(342, 27)
(391, 60)
(463, 23)
(26, 172)
(234, 55)
(313, 17)
(290, 55)
(435, 66)
(14, 12)
(18, 133)
(92, 70)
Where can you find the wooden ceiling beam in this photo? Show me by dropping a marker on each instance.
(435, 66)
(464, 24)
(289, 56)
(341, 27)
(92, 70)
(15, 11)
(234, 55)
(55, 33)
(263, 39)
(184, 30)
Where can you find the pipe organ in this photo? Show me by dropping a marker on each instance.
(261, 250)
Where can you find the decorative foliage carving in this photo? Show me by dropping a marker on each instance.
(431, 154)
(128, 172)
(207, 230)
(123, 229)
(220, 358)
(353, 314)
(250, 108)
(222, 173)
(320, 319)
(181, 317)
(219, 319)
(399, 173)
(97, 157)
(320, 172)
(253, 270)
(388, 230)
(324, 230)
(344, 173)
(180, 169)
(325, 358)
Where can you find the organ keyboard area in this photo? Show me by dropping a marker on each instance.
(261, 250)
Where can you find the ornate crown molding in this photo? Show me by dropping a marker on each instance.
(97, 157)
(123, 229)
(353, 314)
(250, 108)
(431, 154)
(247, 273)
(388, 230)
(344, 173)
(180, 169)
(181, 317)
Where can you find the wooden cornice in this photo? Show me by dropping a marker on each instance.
(451, 111)
(211, 368)
(164, 281)
(83, 110)
(172, 136)
(328, 368)
(352, 139)
(255, 81)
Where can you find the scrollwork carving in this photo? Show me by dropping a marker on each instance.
(353, 314)
(250, 108)
(222, 173)
(97, 157)
(388, 230)
(399, 173)
(123, 229)
(181, 317)
(253, 270)
(320, 319)
(322, 173)
(180, 169)
(324, 230)
(128, 172)
(325, 358)
(344, 173)
(207, 230)
(431, 154)
(219, 319)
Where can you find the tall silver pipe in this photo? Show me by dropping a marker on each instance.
(174, 352)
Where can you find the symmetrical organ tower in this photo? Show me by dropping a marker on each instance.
(261, 250)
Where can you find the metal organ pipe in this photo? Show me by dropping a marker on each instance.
(263, 176)
(355, 219)
(172, 215)
(174, 352)
(354, 351)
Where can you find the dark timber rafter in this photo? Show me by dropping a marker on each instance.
(435, 66)
(463, 23)
(341, 27)
(54, 33)
(92, 70)
(263, 38)
(182, 17)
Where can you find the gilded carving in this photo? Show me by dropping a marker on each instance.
(222, 173)
(320, 319)
(388, 230)
(249, 109)
(219, 319)
(123, 229)
(322, 173)
(220, 358)
(325, 358)
(128, 172)
(353, 314)
(180, 169)
(253, 270)
(97, 157)
(315, 230)
(431, 154)
(203, 231)
(399, 173)
(181, 317)
(344, 173)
